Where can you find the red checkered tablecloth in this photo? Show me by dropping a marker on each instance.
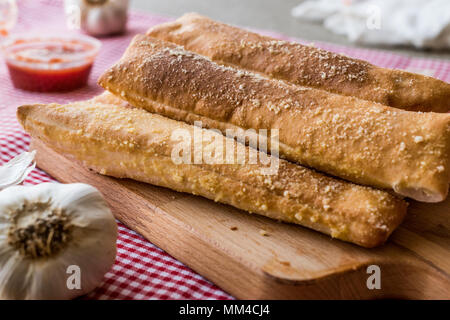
(142, 270)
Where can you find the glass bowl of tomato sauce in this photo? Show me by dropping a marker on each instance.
(50, 64)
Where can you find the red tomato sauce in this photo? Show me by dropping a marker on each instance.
(49, 80)
(50, 64)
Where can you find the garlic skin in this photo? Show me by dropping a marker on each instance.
(46, 228)
(17, 169)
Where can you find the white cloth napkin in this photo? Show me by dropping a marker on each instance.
(421, 23)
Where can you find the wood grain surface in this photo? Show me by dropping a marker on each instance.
(228, 246)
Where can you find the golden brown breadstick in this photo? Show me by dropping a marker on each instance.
(354, 139)
(305, 65)
(126, 142)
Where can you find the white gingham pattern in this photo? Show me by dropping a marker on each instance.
(141, 271)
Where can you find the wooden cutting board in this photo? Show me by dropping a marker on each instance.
(290, 262)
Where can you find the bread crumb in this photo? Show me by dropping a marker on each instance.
(233, 228)
(285, 263)
(335, 233)
(263, 233)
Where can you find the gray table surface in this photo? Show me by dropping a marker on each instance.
(263, 14)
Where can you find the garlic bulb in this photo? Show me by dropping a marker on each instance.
(17, 169)
(100, 17)
(56, 241)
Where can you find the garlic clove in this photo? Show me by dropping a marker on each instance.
(17, 169)
(14, 277)
(101, 18)
(82, 233)
(96, 22)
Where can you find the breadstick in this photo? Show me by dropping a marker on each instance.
(305, 65)
(358, 140)
(125, 142)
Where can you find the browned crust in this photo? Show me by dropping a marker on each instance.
(358, 140)
(126, 142)
(305, 65)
